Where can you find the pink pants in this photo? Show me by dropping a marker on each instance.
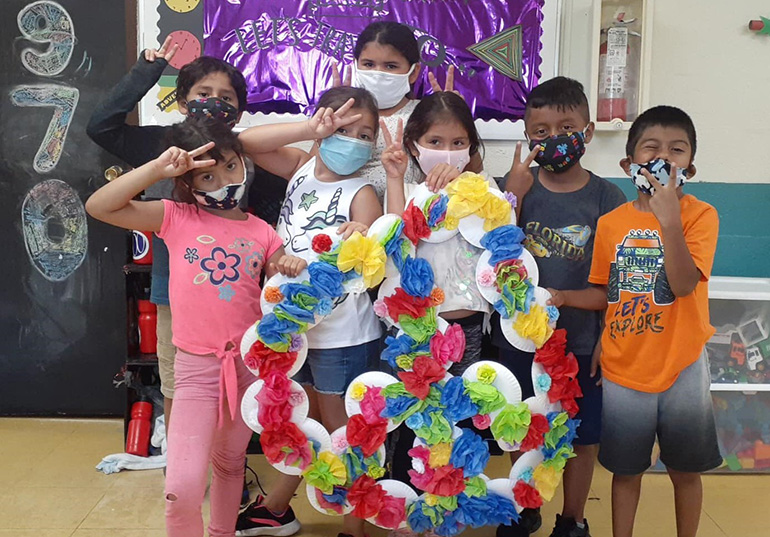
(196, 438)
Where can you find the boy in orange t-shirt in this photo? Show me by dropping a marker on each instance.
(652, 260)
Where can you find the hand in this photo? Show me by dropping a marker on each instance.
(450, 81)
(557, 298)
(337, 80)
(348, 228)
(165, 52)
(665, 200)
(326, 121)
(440, 176)
(394, 159)
(595, 362)
(175, 162)
(520, 178)
(289, 265)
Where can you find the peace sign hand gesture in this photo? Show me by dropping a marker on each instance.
(175, 162)
(165, 52)
(337, 79)
(448, 86)
(520, 178)
(326, 121)
(394, 159)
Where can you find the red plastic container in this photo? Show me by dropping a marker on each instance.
(148, 331)
(141, 246)
(139, 429)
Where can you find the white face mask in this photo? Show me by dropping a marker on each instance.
(428, 158)
(388, 88)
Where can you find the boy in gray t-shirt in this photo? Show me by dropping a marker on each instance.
(560, 203)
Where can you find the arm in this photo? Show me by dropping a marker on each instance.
(288, 265)
(114, 203)
(591, 298)
(365, 207)
(520, 178)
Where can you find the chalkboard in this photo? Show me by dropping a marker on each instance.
(63, 303)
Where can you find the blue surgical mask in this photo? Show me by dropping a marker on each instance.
(344, 155)
(660, 170)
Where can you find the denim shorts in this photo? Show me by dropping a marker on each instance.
(330, 371)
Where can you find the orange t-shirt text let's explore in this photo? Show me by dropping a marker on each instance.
(650, 335)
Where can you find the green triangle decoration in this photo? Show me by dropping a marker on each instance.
(502, 52)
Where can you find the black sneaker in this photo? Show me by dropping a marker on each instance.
(259, 520)
(567, 527)
(529, 522)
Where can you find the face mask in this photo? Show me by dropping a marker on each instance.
(559, 153)
(225, 198)
(213, 108)
(388, 88)
(344, 155)
(660, 170)
(429, 158)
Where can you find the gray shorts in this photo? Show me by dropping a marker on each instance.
(681, 417)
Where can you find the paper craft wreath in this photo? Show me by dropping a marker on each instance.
(343, 470)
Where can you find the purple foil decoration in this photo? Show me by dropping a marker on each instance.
(286, 48)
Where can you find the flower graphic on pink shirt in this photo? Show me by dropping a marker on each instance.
(221, 266)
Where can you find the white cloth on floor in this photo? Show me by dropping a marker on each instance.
(123, 461)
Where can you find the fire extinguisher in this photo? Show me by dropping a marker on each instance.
(619, 64)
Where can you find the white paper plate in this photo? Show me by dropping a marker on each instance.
(397, 489)
(277, 281)
(378, 230)
(503, 487)
(527, 345)
(419, 197)
(250, 405)
(491, 294)
(472, 226)
(540, 399)
(529, 460)
(370, 378)
(250, 337)
(313, 430)
(505, 382)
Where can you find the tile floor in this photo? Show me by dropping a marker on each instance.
(49, 488)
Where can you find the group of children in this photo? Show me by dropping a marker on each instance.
(645, 262)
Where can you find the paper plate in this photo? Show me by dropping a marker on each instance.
(371, 378)
(397, 489)
(311, 492)
(540, 396)
(250, 337)
(315, 431)
(420, 196)
(490, 293)
(472, 226)
(505, 382)
(503, 487)
(529, 460)
(378, 230)
(250, 405)
(441, 326)
(277, 281)
(527, 345)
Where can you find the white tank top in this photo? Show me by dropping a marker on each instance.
(311, 205)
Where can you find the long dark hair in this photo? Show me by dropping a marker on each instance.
(438, 107)
(397, 35)
(191, 134)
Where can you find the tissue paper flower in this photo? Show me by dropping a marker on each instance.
(366, 497)
(357, 391)
(504, 242)
(486, 374)
(533, 325)
(487, 278)
(482, 421)
(364, 255)
(273, 295)
(546, 480)
(415, 224)
(368, 436)
(526, 496)
(380, 309)
(439, 454)
(437, 296)
(326, 472)
(327, 279)
(321, 243)
(512, 423)
(449, 346)
(538, 426)
(392, 512)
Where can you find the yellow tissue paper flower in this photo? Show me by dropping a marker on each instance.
(451, 222)
(375, 472)
(404, 361)
(467, 194)
(496, 213)
(364, 255)
(533, 325)
(486, 374)
(440, 454)
(431, 500)
(336, 466)
(546, 480)
(357, 391)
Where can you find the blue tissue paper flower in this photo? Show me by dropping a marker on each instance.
(438, 210)
(272, 330)
(415, 421)
(419, 521)
(451, 525)
(294, 312)
(325, 306)
(403, 344)
(501, 510)
(543, 383)
(326, 278)
(458, 404)
(472, 510)
(470, 453)
(338, 496)
(504, 243)
(417, 277)
(397, 406)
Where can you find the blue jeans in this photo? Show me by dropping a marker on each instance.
(330, 371)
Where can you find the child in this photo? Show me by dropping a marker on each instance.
(324, 190)
(559, 205)
(205, 87)
(653, 261)
(214, 290)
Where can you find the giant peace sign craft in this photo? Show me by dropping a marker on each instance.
(343, 470)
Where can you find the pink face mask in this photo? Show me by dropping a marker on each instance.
(428, 158)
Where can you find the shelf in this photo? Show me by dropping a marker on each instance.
(735, 288)
(130, 268)
(615, 125)
(745, 388)
(142, 359)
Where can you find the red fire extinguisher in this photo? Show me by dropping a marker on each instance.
(619, 64)
(138, 437)
(148, 332)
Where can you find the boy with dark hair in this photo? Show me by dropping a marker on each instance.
(560, 203)
(652, 262)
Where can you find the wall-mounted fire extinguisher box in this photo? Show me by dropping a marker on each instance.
(622, 33)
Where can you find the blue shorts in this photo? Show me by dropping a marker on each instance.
(330, 371)
(589, 406)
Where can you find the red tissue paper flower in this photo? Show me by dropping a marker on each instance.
(401, 302)
(275, 390)
(447, 481)
(425, 371)
(481, 421)
(366, 497)
(286, 436)
(421, 480)
(565, 390)
(373, 404)
(552, 352)
(392, 513)
(265, 360)
(538, 426)
(321, 243)
(415, 225)
(527, 496)
(368, 436)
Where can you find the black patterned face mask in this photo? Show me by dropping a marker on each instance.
(559, 153)
(213, 108)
